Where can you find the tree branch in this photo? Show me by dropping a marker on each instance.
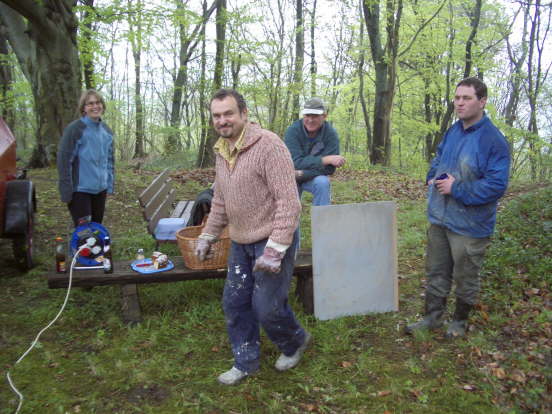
(422, 28)
(30, 9)
(17, 37)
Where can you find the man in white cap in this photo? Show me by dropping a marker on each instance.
(314, 147)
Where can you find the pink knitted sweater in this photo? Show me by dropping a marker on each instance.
(258, 198)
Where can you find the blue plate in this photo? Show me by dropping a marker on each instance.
(150, 268)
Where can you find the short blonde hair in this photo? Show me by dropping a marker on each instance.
(84, 97)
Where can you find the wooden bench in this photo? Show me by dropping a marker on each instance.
(128, 280)
(158, 202)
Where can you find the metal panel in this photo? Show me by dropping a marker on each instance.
(354, 250)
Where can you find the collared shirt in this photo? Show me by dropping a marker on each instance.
(222, 146)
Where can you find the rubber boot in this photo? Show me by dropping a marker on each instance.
(459, 324)
(434, 311)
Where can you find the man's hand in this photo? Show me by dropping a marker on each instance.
(445, 186)
(270, 261)
(203, 249)
(335, 160)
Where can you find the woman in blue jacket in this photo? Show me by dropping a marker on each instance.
(85, 161)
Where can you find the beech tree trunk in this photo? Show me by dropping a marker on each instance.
(43, 35)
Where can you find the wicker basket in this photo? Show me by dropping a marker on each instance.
(187, 240)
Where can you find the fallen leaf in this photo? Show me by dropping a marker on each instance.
(498, 372)
(346, 364)
(518, 376)
(469, 387)
(215, 349)
(309, 407)
(498, 356)
(383, 393)
(415, 393)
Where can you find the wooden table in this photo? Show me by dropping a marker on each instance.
(129, 280)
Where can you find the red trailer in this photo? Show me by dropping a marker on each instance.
(17, 201)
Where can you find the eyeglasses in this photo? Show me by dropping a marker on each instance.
(93, 103)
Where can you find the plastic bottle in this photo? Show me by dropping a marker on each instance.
(108, 260)
(61, 264)
(140, 254)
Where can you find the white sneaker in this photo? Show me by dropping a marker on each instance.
(232, 377)
(287, 362)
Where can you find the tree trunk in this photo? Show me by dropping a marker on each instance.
(88, 53)
(135, 36)
(45, 44)
(6, 81)
(313, 51)
(188, 43)
(207, 155)
(385, 62)
(299, 58)
(202, 100)
(365, 111)
(474, 23)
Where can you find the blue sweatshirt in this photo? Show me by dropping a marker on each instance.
(479, 159)
(85, 158)
(307, 152)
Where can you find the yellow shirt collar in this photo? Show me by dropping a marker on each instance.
(222, 146)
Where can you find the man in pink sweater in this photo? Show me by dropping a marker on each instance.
(256, 196)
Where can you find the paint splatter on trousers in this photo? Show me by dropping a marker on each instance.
(255, 299)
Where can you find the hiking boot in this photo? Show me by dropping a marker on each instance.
(287, 362)
(232, 377)
(433, 319)
(459, 324)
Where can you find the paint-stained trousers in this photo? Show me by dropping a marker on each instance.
(254, 299)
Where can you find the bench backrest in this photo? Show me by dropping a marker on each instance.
(157, 199)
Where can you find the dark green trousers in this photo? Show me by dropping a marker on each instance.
(452, 257)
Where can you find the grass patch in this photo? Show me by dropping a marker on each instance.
(89, 362)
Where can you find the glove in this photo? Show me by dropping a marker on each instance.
(203, 249)
(270, 261)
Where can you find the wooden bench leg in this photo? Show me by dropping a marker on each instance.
(132, 313)
(304, 291)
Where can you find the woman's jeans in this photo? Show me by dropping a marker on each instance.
(254, 299)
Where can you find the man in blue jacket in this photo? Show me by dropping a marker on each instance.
(314, 148)
(467, 177)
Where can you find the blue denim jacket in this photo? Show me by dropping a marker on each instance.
(479, 159)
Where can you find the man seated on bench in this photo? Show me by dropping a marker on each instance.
(314, 147)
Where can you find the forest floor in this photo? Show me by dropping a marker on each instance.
(90, 362)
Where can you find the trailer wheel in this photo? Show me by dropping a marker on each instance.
(23, 247)
(20, 207)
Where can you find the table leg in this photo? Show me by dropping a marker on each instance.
(304, 290)
(132, 313)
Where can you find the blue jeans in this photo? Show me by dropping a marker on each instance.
(254, 299)
(320, 189)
